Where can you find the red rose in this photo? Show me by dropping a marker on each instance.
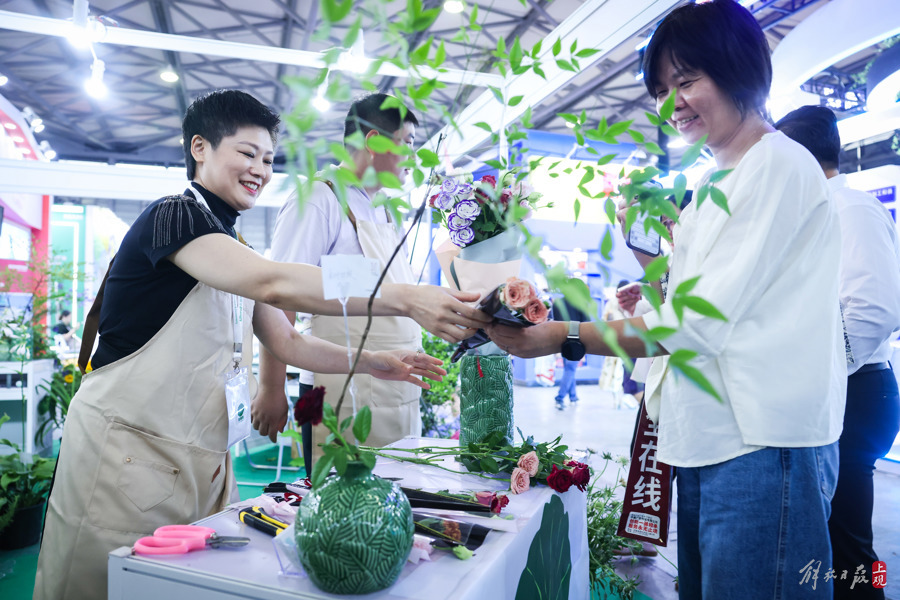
(499, 503)
(490, 179)
(581, 477)
(560, 479)
(431, 200)
(505, 196)
(309, 407)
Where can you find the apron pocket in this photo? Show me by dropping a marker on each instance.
(145, 481)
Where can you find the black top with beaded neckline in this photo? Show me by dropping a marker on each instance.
(144, 290)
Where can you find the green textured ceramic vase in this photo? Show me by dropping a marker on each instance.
(485, 397)
(354, 532)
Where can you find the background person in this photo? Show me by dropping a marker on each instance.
(323, 228)
(567, 383)
(757, 470)
(870, 302)
(147, 434)
(65, 333)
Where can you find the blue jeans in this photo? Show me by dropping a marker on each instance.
(567, 381)
(755, 527)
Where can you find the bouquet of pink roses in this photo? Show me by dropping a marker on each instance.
(515, 303)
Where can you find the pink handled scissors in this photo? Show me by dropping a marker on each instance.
(180, 539)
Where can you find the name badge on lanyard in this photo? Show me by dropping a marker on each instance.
(237, 380)
(237, 383)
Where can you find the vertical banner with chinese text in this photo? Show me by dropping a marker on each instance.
(645, 509)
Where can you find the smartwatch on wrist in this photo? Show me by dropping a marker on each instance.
(572, 348)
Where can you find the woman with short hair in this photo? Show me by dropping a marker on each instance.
(756, 470)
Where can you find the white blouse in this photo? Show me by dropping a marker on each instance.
(772, 269)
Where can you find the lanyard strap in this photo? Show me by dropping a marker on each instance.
(237, 305)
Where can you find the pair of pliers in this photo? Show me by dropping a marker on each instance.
(258, 519)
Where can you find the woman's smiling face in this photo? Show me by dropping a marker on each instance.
(238, 168)
(701, 106)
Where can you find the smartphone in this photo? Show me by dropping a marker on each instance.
(646, 243)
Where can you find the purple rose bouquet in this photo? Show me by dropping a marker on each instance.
(476, 211)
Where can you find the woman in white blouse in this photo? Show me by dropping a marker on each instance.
(756, 471)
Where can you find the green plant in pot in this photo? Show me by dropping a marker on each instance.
(354, 531)
(24, 486)
(58, 394)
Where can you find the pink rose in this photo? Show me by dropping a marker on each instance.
(530, 463)
(489, 179)
(520, 481)
(485, 497)
(536, 311)
(517, 293)
(496, 501)
(505, 196)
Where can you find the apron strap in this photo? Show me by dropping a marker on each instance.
(92, 323)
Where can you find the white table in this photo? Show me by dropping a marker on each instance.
(253, 571)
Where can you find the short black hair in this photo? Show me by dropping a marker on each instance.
(64, 314)
(814, 128)
(221, 113)
(366, 114)
(723, 40)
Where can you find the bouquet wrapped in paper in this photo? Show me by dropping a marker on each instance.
(483, 248)
(515, 303)
(483, 251)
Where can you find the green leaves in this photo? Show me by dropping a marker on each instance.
(656, 268)
(668, 107)
(691, 155)
(362, 425)
(429, 159)
(679, 361)
(321, 470)
(336, 10)
(382, 144)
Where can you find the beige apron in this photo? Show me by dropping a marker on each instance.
(394, 404)
(144, 446)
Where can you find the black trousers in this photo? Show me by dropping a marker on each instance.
(871, 423)
(306, 434)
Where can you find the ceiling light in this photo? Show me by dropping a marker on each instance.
(39, 127)
(354, 59)
(169, 76)
(3, 79)
(454, 6)
(321, 103)
(18, 139)
(49, 153)
(95, 86)
(883, 80)
(10, 125)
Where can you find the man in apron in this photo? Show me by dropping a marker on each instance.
(324, 228)
(147, 434)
